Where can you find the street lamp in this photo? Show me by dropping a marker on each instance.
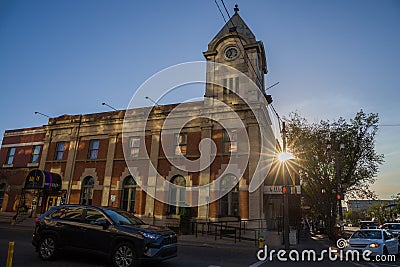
(152, 100)
(105, 104)
(283, 157)
(37, 112)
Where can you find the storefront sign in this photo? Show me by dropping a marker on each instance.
(38, 179)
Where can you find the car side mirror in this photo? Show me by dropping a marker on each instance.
(102, 222)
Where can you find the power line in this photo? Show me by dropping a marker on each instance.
(220, 11)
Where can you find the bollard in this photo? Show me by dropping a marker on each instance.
(10, 254)
(261, 241)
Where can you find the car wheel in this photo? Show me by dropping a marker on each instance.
(385, 251)
(47, 248)
(124, 255)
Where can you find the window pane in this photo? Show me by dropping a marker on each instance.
(93, 215)
(94, 144)
(94, 149)
(59, 151)
(11, 154)
(74, 214)
(35, 154)
(236, 85)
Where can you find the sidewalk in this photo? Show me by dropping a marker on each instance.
(272, 240)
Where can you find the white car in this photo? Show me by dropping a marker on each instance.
(378, 241)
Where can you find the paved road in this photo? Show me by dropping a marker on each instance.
(192, 256)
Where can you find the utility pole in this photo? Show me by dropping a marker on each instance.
(285, 196)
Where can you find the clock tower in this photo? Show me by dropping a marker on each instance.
(236, 46)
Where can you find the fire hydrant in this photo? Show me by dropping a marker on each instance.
(261, 241)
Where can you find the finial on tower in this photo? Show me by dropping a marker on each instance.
(236, 9)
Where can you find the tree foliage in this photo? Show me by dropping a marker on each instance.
(356, 165)
(354, 216)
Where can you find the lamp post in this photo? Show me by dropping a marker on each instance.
(337, 147)
(285, 195)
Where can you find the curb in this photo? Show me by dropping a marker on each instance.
(216, 246)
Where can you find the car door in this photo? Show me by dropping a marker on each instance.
(67, 225)
(391, 242)
(97, 237)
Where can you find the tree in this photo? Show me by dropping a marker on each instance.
(354, 216)
(358, 161)
(378, 212)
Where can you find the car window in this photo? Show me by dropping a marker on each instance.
(92, 215)
(58, 213)
(123, 218)
(368, 235)
(387, 235)
(73, 214)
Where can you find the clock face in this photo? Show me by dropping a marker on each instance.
(231, 52)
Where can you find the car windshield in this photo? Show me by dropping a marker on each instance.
(123, 217)
(368, 235)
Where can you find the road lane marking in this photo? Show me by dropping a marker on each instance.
(258, 263)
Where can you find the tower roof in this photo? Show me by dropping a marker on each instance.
(235, 25)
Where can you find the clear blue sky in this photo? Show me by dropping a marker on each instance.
(332, 58)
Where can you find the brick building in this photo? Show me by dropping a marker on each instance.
(87, 152)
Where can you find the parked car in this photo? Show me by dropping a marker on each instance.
(124, 238)
(368, 225)
(393, 228)
(378, 241)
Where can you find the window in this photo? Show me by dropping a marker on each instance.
(35, 154)
(229, 203)
(10, 157)
(2, 192)
(230, 85)
(94, 149)
(180, 143)
(229, 146)
(68, 214)
(59, 150)
(92, 216)
(87, 191)
(177, 195)
(73, 214)
(129, 194)
(134, 145)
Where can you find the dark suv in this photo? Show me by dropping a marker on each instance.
(123, 237)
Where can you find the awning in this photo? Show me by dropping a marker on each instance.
(38, 179)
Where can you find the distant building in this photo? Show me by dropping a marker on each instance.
(365, 205)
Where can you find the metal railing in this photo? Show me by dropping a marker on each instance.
(237, 230)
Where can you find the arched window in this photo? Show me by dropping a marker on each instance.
(229, 203)
(177, 195)
(128, 194)
(87, 191)
(2, 192)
